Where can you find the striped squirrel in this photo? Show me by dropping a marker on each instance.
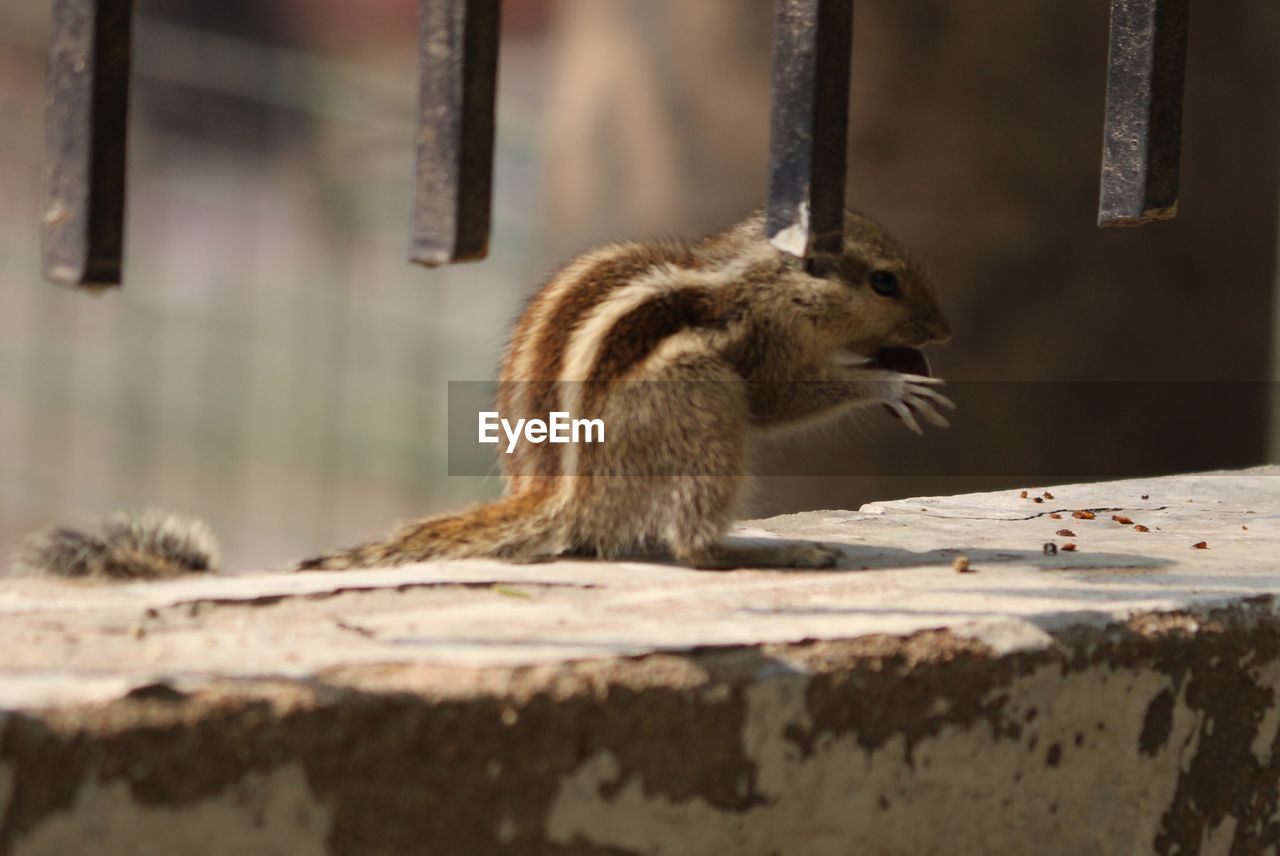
(740, 338)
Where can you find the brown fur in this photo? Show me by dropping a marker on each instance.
(536, 364)
(152, 545)
(517, 526)
(684, 350)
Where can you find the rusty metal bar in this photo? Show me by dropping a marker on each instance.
(88, 98)
(1142, 144)
(808, 148)
(458, 69)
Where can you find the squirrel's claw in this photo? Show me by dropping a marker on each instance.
(925, 409)
(904, 413)
(915, 397)
(922, 380)
(935, 397)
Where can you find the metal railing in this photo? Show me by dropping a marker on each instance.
(90, 49)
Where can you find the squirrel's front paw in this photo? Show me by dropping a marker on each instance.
(908, 395)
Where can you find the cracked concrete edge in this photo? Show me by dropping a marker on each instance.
(998, 635)
(1156, 734)
(71, 643)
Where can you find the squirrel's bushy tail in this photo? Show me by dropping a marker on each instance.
(151, 545)
(519, 526)
(155, 545)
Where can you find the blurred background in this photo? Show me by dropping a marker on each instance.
(273, 364)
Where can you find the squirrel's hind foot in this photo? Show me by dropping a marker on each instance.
(730, 557)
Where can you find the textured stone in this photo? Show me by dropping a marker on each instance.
(1116, 699)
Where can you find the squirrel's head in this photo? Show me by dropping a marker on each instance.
(873, 295)
(870, 298)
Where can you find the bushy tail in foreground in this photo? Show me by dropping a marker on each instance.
(151, 545)
(154, 545)
(519, 526)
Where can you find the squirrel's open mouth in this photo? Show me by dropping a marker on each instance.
(905, 360)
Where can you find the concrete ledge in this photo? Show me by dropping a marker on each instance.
(1121, 698)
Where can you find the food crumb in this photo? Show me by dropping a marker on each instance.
(1055, 516)
(1200, 545)
(1023, 495)
(1140, 528)
(1051, 549)
(961, 565)
(1038, 499)
(1245, 528)
(1066, 533)
(1122, 520)
(1146, 496)
(1070, 548)
(1083, 515)
(509, 591)
(1048, 495)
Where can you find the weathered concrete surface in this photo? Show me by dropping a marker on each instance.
(1121, 698)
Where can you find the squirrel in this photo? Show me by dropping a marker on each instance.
(740, 337)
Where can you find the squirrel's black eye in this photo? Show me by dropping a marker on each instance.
(884, 283)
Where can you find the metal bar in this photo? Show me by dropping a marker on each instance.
(89, 59)
(1142, 144)
(808, 148)
(458, 68)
